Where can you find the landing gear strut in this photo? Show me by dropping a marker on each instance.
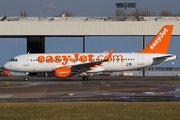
(26, 77)
(85, 78)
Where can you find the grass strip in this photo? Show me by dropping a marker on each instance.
(172, 82)
(8, 84)
(4, 84)
(90, 110)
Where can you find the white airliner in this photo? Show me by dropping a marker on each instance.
(65, 65)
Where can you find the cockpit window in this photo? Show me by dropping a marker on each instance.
(13, 60)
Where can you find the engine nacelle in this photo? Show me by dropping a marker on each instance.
(63, 72)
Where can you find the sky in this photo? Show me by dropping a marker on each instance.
(80, 8)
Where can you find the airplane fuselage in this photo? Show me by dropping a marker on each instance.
(49, 62)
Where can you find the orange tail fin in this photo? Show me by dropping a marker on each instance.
(160, 43)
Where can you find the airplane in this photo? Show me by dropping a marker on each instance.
(66, 65)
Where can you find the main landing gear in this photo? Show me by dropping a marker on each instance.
(85, 78)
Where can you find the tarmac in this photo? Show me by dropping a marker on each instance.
(97, 88)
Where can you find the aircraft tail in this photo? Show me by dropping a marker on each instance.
(160, 43)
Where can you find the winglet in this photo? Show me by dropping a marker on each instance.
(160, 43)
(109, 56)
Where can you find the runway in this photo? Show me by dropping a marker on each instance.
(98, 88)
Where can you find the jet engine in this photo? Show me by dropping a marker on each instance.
(64, 72)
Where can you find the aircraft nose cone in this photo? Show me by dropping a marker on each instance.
(6, 66)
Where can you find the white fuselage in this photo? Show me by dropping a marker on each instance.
(118, 62)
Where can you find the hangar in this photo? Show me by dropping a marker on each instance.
(19, 35)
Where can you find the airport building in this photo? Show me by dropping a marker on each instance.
(19, 35)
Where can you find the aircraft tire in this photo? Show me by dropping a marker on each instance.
(26, 78)
(85, 78)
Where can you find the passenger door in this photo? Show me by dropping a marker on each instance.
(140, 60)
(26, 60)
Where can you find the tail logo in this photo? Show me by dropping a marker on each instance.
(161, 35)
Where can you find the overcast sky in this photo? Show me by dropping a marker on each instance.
(82, 8)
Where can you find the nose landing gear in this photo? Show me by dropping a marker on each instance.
(26, 77)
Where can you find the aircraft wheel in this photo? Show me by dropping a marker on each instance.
(85, 78)
(26, 78)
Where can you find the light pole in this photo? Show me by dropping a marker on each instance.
(126, 5)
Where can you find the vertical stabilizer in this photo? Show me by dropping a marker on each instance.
(160, 43)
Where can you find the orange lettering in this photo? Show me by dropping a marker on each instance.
(75, 58)
(66, 59)
(49, 59)
(83, 58)
(109, 59)
(58, 60)
(40, 59)
(99, 56)
(117, 56)
(90, 58)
